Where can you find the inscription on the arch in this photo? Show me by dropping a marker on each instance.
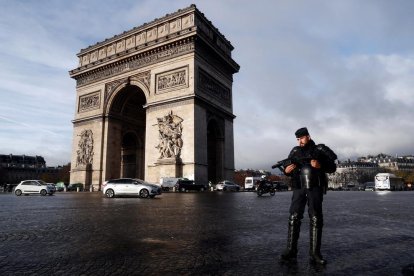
(211, 87)
(172, 80)
(90, 101)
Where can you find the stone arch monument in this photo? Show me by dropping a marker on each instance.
(155, 101)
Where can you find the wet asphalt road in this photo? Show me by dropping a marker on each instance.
(210, 233)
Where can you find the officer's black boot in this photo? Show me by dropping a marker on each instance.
(315, 241)
(291, 251)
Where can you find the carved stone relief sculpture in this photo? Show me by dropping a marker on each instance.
(170, 132)
(89, 102)
(172, 80)
(85, 148)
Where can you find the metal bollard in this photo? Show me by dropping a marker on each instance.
(77, 189)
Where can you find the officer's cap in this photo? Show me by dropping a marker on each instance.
(301, 132)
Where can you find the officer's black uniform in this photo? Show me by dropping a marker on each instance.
(308, 184)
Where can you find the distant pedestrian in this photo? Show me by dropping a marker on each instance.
(310, 163)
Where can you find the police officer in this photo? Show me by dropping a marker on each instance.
(309, 183)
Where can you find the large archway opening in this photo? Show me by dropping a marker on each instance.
(215, 142)
(126, 133)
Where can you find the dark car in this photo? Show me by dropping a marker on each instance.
(184, 185)
(369, 186)
(280, 186)
(74, 187)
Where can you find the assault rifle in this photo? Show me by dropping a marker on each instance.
(282, 164)
(321, 150)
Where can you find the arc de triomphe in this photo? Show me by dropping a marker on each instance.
(155, 101)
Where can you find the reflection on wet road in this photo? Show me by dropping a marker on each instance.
(208, 233)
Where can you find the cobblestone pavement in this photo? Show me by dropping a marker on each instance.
(210, 233)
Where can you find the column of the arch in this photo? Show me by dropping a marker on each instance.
(140, 159)
(220, 147)
(112, 149)
(228, 165)
(199, 145)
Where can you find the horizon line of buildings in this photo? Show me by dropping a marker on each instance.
(384, 161)
(405, 162)
(364, 169)
(14, 168)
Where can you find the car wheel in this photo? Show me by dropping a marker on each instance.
(224, 189)
(272, 192)
(110, 193)
(201, 189)
(18, 192)
(43, 192)
(182, 189)
(144, 193)
(259, 192)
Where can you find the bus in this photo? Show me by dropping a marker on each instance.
(388, 181)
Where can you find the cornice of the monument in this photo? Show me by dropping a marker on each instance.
(180, 24)
(126, 62)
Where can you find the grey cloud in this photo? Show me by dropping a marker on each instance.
(342, 68)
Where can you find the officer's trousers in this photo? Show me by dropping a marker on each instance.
(313, 197)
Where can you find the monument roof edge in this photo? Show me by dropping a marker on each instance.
(134, 30)
(150, 24)
(213, 27)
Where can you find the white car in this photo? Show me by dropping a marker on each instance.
(34, 187)
(227, 185)
(131, 187)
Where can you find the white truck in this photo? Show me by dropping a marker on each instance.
(168, 183)
(250, 183)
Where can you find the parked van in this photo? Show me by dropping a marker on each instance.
(250, 183)
(168, 183)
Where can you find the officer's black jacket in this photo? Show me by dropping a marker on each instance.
(308, 152)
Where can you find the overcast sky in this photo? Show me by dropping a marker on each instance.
(344, 69)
